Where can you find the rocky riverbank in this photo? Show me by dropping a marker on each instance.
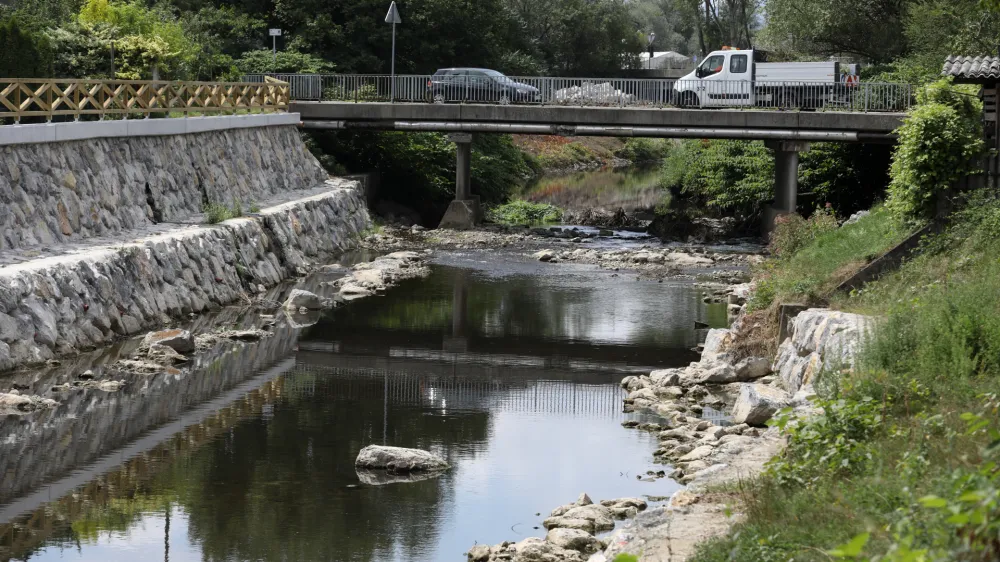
(175, 351)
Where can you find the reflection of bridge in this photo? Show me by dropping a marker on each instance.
(455, 386)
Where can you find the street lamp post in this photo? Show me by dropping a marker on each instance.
(393, 18)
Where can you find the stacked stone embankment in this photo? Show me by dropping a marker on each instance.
(62, 192)
(101, 238)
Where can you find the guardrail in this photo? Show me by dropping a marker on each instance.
(610, 92)
(76, 98)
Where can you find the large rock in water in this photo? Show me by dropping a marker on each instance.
(573, 539)
(399, 459)
(180, 341)
(758, 402)
(304, 299)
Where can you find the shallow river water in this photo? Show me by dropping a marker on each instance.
(506, 367)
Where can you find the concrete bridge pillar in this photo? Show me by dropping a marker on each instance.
(786, 180)
(464, 211)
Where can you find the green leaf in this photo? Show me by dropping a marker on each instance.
(933, 502)
(852, 549)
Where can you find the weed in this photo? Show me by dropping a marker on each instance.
(521, 212)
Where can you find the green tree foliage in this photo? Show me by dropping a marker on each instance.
(23, 54)
(850, 177)
(939, 142)
(263, 60)
(870, 29)
(729, 176)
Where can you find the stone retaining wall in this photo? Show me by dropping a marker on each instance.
(74, 190)
(66, 303)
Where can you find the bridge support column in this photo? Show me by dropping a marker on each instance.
(786, 180)
(464, 211)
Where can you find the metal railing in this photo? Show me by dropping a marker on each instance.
(76, 98)
(607, 92)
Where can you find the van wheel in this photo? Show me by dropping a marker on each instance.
(687, 99)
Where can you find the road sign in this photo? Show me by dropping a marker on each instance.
(393, 15)
(274, 32)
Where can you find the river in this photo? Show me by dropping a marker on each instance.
(507, 367)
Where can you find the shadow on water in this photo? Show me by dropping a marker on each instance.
(508, 369)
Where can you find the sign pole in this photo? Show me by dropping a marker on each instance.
(392, 70)
(274, 33)
(393, 18)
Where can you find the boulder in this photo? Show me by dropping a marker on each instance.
(623, 512)
(758, 402)
(304, 299)
(600, 515)
(534, 549)
(716, 345)
(688, 260)
(752, 368)
(644, 394)
(821, 339)
(586, 525)
(478, 553)
(698, 453)
(180, 341)
(709, 372)
(15, 403)
(399, 459)
(584, 499)
(573, 539)
(544, 255)
(637, 503)
(562, 509)
(669, 392)
(665, 377)
(377, 477)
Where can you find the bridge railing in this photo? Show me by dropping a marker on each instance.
(76, 98)
(607, 92)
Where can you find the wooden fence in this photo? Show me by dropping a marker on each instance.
(49, 98)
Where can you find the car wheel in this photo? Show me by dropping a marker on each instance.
(439, 98)
(504, 99)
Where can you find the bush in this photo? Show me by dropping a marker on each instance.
(23, 54)
(938, 144)
(521, 212)
(262, 61)
(792, 232)
(639, 150)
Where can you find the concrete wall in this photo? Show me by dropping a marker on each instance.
(57, 192)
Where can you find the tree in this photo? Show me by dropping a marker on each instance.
(23, 54)
(263, 61)
(870, 29)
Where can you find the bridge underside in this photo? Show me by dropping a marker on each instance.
(788, 132)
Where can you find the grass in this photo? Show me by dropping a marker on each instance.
(810, 274)
(903, 460)
(217, 212)
(520, 212)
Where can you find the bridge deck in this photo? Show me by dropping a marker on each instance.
(624, 121)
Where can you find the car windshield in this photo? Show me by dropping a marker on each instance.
(498, 76)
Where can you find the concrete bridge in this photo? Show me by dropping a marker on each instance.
(787, 132)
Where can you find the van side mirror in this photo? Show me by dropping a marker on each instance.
(698, 72)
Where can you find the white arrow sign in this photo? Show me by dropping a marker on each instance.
(393, 15)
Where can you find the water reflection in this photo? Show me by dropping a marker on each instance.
(510, 375)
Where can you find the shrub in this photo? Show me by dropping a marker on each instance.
(643, 150)
(938, 144)
(523, 212)
(217, 212)
(792, 232)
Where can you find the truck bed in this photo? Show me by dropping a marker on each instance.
(796, 72)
